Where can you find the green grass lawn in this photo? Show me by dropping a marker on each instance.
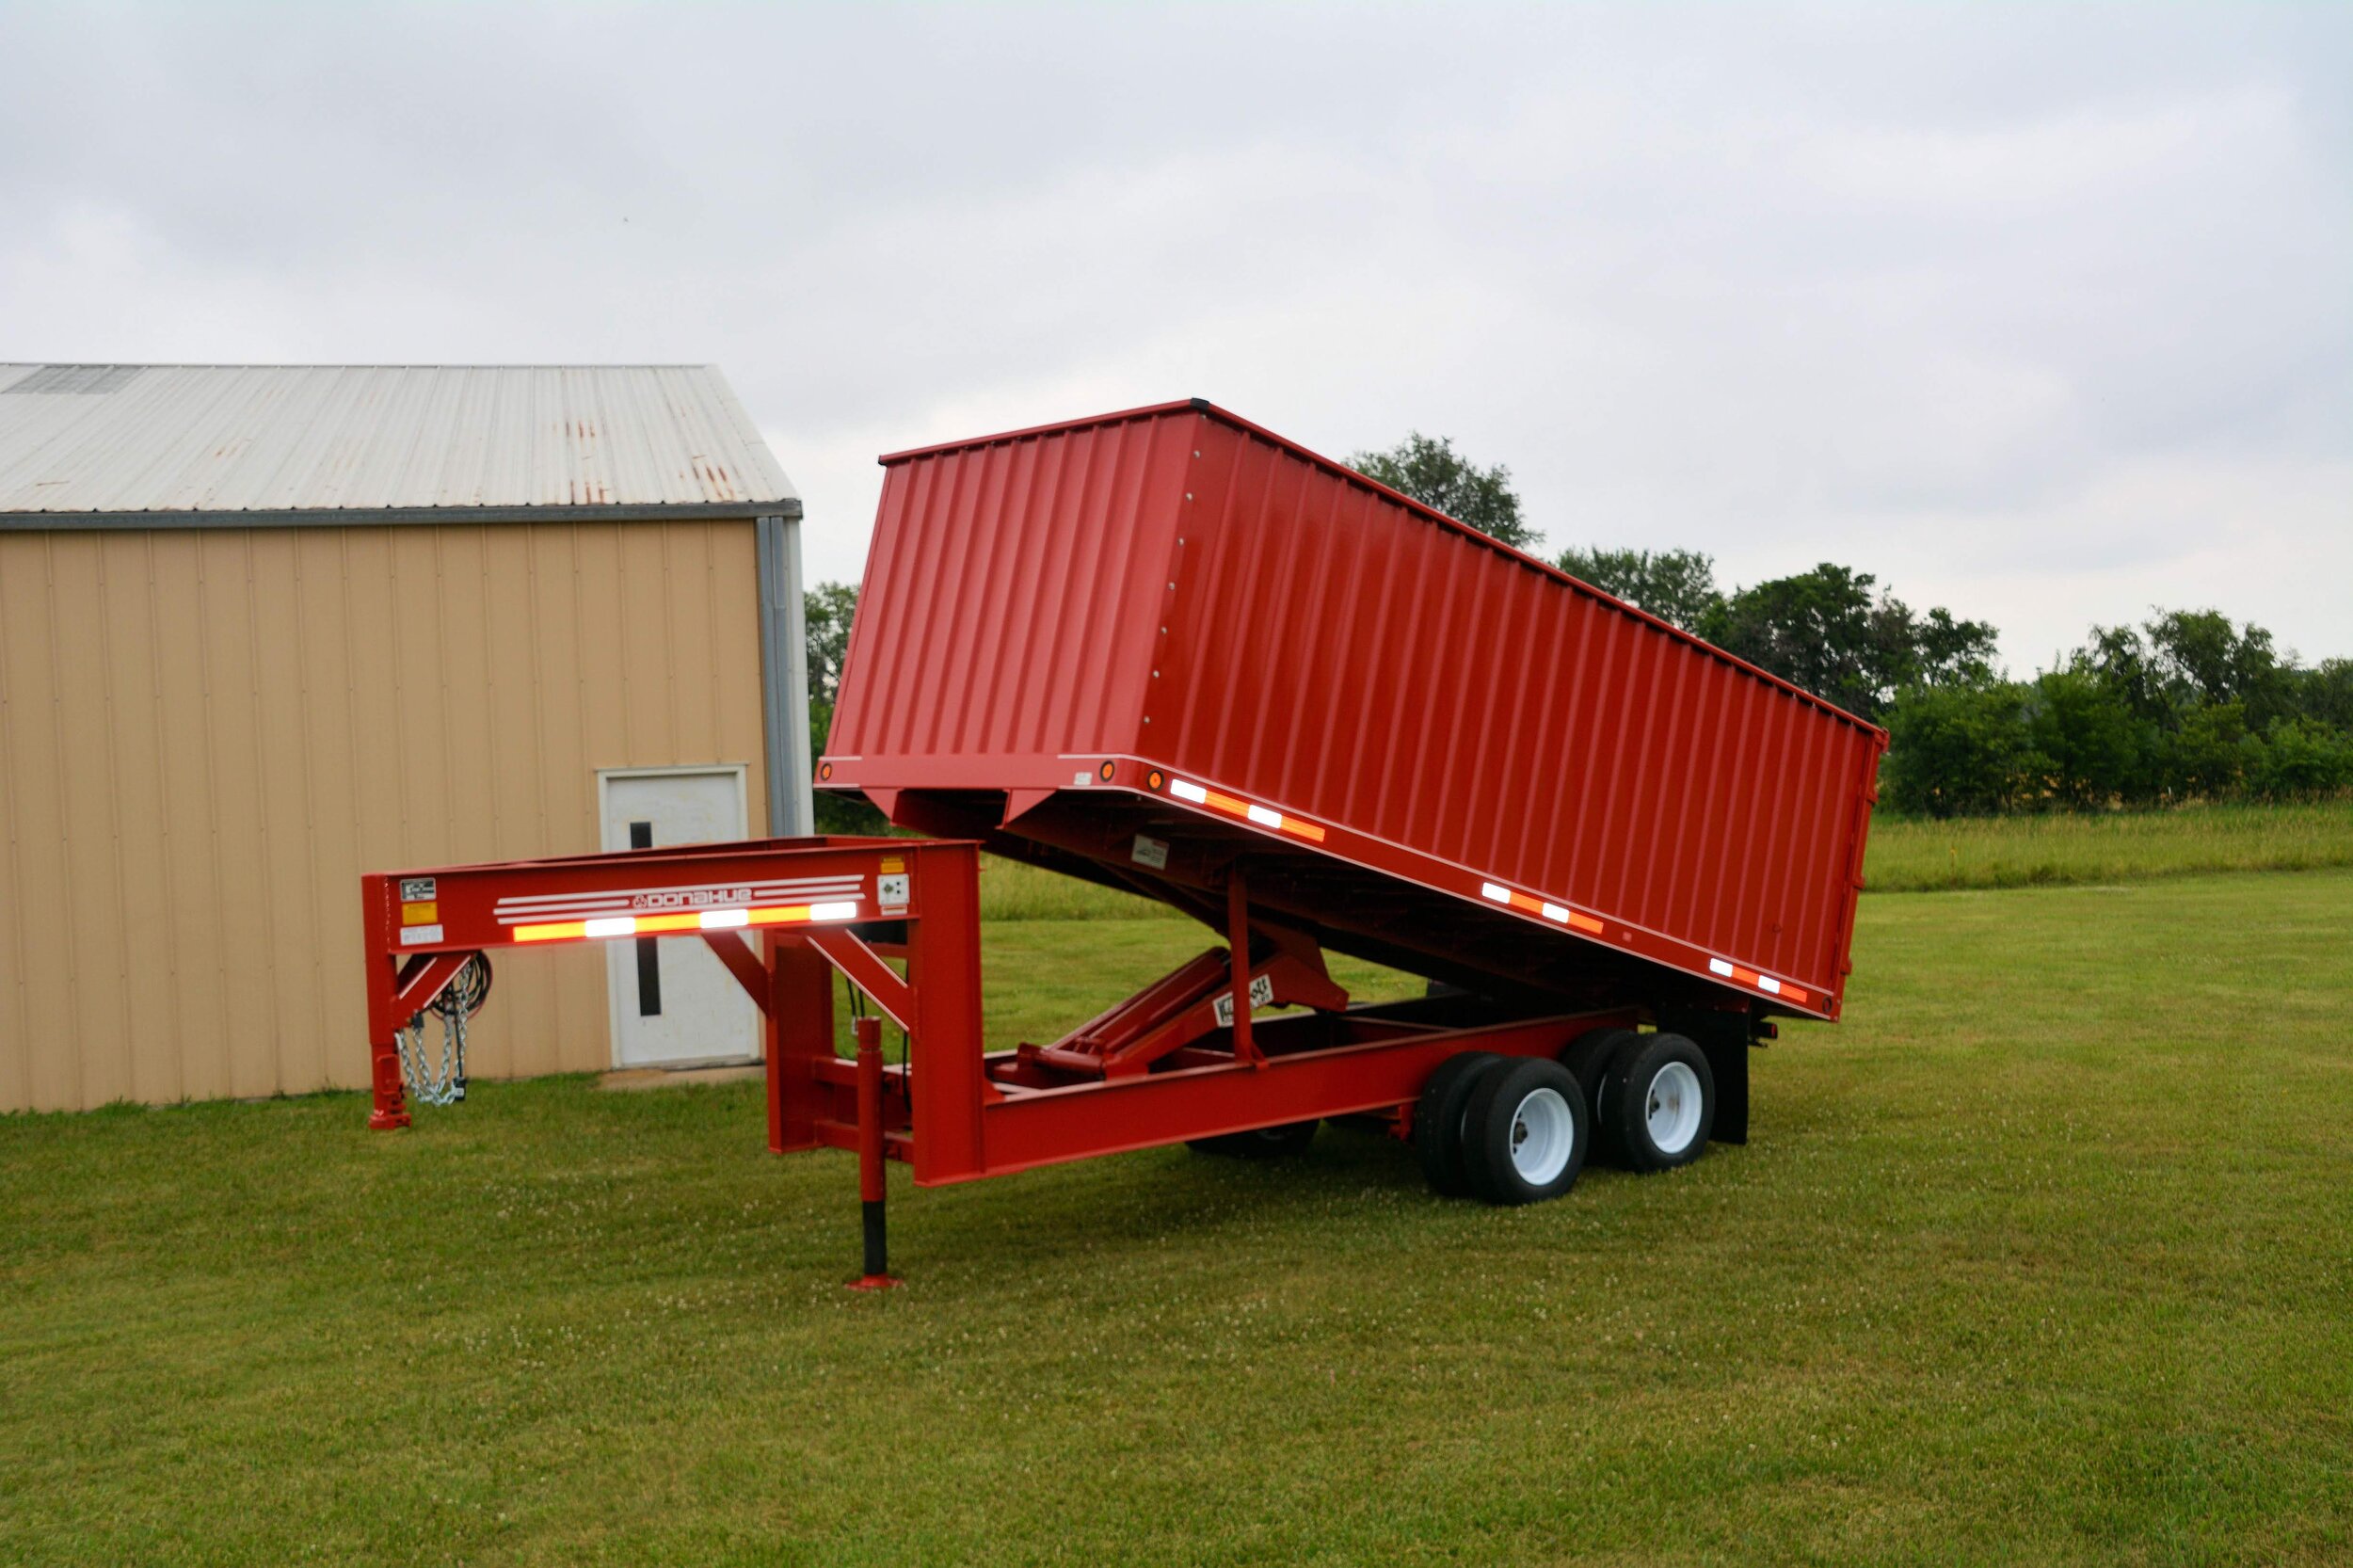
(2045, 1256)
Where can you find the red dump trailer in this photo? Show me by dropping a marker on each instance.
(1168, 652)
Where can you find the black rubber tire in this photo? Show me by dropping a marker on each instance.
(1626, 1093)
(1264, 1143)
(1438, 1120)
(1491, 1124)
(1588, 1057)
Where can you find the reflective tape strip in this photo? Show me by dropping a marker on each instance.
(607, 927)
(1233, 805)
(1558, 914)
(1765, 983)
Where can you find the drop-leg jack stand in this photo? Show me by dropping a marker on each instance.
(870, 1156)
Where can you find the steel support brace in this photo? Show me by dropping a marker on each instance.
(868, 972)
(730, 949)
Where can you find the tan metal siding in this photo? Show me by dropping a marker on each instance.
(206, 735)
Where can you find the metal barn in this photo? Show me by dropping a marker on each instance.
(265, 628)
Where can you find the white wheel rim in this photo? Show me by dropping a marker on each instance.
(1544, 1136)
(1671, 1107)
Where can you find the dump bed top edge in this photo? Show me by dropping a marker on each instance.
(1203, 406)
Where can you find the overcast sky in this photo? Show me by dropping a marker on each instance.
(2043, 313)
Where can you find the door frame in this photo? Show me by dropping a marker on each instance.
(741, 772)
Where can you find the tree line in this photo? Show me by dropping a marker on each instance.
(2185, 706)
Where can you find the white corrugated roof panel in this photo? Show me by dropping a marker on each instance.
(244, 439)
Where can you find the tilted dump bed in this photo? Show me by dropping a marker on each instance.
(1136, 647)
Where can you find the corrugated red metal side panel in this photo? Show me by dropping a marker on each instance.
(1012, 596)
(1334, 652)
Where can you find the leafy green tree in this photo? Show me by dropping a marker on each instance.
(1960, 751)
(2180, 661)
(1827, 631)
(826, 612)
(2211, 754)
(1429, 470)
(1677, 585)
(2090, 744)
(2325, 694)
(2202, 659)
(2302, 757)
(2119, 657)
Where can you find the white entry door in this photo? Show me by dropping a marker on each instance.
(672, 1000)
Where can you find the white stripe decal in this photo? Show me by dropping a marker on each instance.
(761, 888)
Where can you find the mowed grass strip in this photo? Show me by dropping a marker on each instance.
(2044, 1255)
(2107, 846)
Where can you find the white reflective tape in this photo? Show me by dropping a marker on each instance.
(833, 911)
(1553, 912)
(1768, 982)
(616, 925)
(1719, 967)
(720, 919)
(1502, 895)
(1193, 792)
(1263, 817)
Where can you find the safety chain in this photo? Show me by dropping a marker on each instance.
(455, 1002)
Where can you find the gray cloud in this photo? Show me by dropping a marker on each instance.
(2041, 314)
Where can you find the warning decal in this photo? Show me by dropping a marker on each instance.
(1262, 995)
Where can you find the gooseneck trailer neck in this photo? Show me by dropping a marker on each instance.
(1176, 1062)
(1169, 652)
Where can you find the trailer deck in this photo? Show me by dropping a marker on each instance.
(900, 919)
